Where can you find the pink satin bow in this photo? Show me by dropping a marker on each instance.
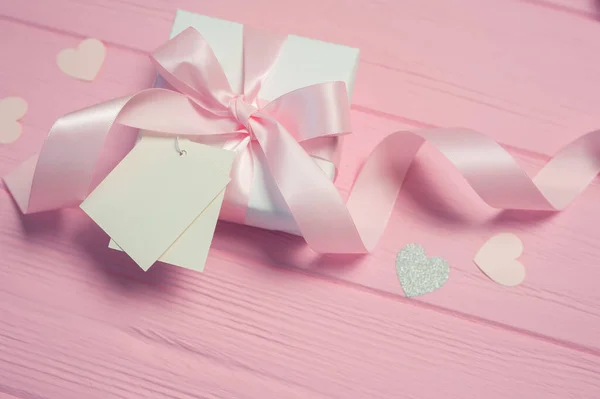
(203, 105)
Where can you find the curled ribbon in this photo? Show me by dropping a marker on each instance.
(202, 105)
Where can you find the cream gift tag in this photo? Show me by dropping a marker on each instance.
(191, 248)
(149, 200)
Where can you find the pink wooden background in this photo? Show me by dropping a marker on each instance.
(269, 319)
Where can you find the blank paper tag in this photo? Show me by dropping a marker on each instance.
(154, 195)
(191, 248)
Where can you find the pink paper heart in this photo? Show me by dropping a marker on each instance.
(11, 110)
(497, 258)
(83, 62)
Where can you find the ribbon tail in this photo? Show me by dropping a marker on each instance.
(313, 200)
(330, 226)
(487, 167)
(61, 174)
(19, 182)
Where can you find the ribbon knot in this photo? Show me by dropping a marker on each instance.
(242, 112)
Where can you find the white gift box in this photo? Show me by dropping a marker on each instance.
(302, 62)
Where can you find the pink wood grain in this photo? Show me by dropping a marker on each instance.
(269, 318)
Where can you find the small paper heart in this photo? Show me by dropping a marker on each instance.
(418, 274)
(83, 62)
(11, 110)
(497, 258)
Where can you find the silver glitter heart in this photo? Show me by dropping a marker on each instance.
(419, 275)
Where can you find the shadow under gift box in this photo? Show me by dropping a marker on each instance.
(302, 62)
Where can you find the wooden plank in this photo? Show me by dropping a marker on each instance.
(439, 63)
(84, 322)
(50, 354)
(559, 300)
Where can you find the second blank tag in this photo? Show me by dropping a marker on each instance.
(154, 195)
(191, 248)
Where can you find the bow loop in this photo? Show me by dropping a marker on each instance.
(189, 65)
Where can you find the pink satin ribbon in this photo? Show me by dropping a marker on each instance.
(202, 106)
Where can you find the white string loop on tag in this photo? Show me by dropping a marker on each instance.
(181, 152)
